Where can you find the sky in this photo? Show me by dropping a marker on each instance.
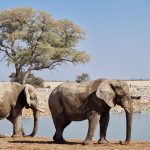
(117, 37)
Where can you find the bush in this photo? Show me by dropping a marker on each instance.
(84, 77)
(35, 81)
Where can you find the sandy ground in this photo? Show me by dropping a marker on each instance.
(38, 143)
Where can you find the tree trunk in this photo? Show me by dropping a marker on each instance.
(21, 76)
(18, 74)
(25, 76)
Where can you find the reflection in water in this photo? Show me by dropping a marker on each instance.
(116, 129)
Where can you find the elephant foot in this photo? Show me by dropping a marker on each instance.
(87, 142)
(103, 141)
(16, 135)
(30, 135)
(124, 142)
(59, 140)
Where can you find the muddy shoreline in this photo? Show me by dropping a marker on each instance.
(45, 143)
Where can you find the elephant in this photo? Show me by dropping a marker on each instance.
(92, 100)
(13, 98)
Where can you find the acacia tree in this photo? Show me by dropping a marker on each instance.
(84, 77)
(32, 40)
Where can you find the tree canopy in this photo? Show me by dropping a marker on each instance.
(33, 40)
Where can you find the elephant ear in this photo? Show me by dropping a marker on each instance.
(28, 89)
(106, 93)
(94, 85)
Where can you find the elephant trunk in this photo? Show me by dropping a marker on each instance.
(129, 114)
(36, 122)
(36, 112)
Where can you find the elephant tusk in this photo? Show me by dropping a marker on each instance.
(40, 110)
(127, 109)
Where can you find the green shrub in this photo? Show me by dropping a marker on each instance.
(35, 81)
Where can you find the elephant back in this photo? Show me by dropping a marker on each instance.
(5, 88)
(10, 90)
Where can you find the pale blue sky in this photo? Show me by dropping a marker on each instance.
(118, 36)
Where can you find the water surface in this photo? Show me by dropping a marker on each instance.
(116, 128)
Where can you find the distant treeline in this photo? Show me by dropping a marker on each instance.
(137, 79)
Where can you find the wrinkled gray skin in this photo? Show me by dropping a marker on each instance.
(13, 98)
(79, 101)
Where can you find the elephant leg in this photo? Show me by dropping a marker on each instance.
(66, 124)
(104, 120)
(11, 120)
(17, 128)
(93, 119)
(60, 125)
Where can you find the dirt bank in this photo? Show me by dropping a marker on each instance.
(38, 143)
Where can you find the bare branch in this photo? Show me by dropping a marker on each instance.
(3, 58)
(6, 52)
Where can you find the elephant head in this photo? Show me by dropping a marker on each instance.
(33, 103)
(114, 92)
